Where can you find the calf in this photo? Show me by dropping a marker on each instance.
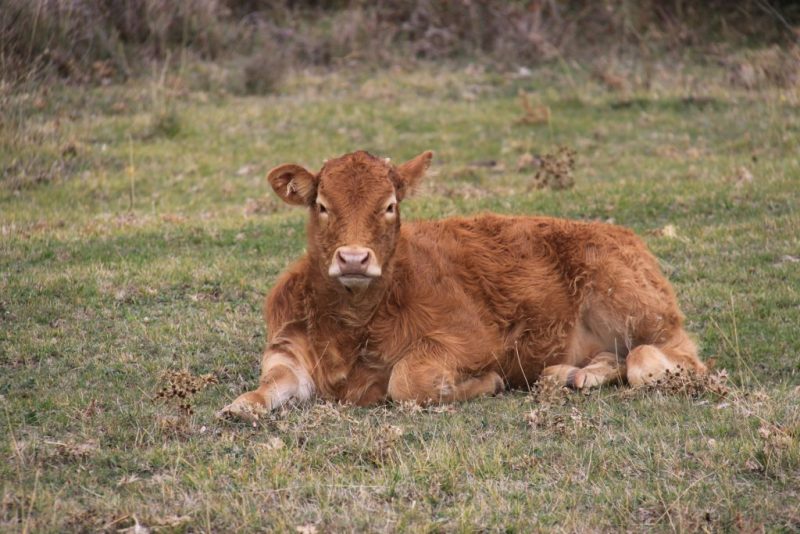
(444, 311)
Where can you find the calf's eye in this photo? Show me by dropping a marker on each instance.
(322, 209)
(390, 209)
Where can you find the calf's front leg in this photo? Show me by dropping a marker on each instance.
(283, 378)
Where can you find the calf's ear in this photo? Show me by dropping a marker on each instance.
(294, 184)
(411, 172)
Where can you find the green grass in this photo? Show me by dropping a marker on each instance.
(137, 236)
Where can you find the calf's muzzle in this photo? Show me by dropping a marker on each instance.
(354, 266)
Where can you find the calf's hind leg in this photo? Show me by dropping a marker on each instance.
(644, 364)
(427, 382)
(603, 368)
(648, 363)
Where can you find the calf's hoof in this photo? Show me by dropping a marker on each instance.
(247, 407)
(583, 379)
(580, 379)
(499, 383)
(647, 364)
(573, 377)
(561, 374)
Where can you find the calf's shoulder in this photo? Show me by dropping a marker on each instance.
(285, 302)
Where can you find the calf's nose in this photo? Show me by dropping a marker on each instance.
(352, 260)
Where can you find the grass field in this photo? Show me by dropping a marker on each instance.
(138, 237)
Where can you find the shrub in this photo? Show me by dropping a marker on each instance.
(264, 70)
(69, 37)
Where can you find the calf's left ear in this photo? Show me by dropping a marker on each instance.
(411, 172)
(294, 184)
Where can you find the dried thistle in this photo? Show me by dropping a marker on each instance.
(181, 386)
(548, 391)
(555, 170)
(694, 385)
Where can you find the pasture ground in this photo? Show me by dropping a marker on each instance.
(138, 237)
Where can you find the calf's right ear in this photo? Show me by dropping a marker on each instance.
(294, 184)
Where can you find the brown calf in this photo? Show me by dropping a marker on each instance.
(447, 310)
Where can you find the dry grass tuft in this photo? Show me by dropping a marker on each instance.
(384, 447)
(776, 439)
(20, 175)
(173, 426)
(610, 79)
(539, 114)
(168, 523)
(668, 230)
(70, 451)
(261, 206)
(742, 177)
(166, 122)
(546, 419)
(773, 66)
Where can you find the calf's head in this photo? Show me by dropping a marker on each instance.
(353, 204)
